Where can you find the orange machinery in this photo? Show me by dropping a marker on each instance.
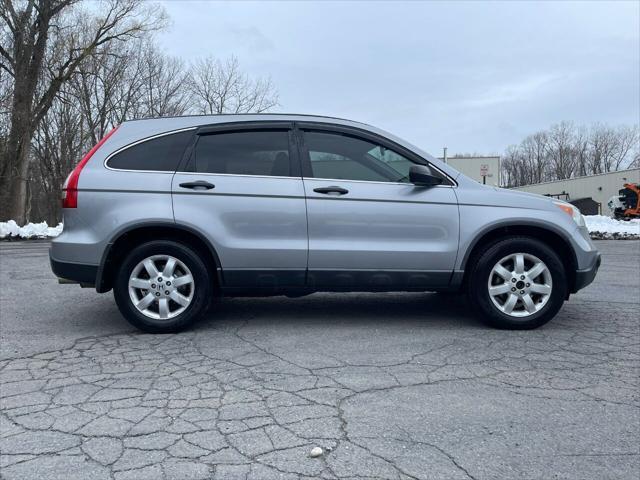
(630, 202)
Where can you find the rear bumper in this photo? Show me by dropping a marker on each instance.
(76, 272)
(585, 277)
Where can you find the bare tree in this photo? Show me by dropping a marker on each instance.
(510, 164)
(581, 150)
(102, 89)
(221, 87)
(603, 148)
(43, 51)
(627, 142)
(5, 106)
(58, 143)
(561, 150)
(165, 87)
(534, 149)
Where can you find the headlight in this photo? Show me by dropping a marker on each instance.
(572, 211)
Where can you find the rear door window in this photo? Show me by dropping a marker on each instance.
(262, 153)
(160, 154)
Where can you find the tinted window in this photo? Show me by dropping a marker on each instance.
(161, 154)
(244, 153)
(345, 157)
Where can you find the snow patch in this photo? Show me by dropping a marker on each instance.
(11, 229)
(601, 227)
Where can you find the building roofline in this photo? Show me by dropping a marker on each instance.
(478, 156)
(578, 178)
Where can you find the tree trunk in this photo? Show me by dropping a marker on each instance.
(29, 45)
(15, 164)
(14, 186)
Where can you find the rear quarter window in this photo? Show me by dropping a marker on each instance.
(161, 154)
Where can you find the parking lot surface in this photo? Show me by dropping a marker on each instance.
(391, 386)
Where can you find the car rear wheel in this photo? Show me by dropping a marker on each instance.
(518, 283)
(162, 287)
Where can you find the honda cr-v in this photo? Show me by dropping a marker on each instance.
(171, 212)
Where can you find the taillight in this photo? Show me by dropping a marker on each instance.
(70, 187)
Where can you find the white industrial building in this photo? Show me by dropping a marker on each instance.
(482, 169)
(599, 187)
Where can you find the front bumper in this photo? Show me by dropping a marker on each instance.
(75, 272)
(585, 277)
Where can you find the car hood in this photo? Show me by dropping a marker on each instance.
(517, 198)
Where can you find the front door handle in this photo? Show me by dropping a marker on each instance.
(332, 189)
(199, 185)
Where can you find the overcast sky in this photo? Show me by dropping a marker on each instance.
(473, 76)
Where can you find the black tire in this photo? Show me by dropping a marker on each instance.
(201, 294)
(479, 277)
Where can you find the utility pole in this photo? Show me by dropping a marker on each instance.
(444, 157)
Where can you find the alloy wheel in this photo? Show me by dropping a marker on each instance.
(520, 285)
(161, 287)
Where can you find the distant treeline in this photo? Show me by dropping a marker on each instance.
(566, 151)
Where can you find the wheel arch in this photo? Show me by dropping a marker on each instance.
(134, 235)
(552, 237)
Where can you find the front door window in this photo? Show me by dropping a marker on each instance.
(338, 156)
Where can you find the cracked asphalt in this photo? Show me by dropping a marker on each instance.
(391, 386)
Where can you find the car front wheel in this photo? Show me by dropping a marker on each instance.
(518, 283)
(162, 287)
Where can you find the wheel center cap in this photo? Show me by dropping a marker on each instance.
(520, 285)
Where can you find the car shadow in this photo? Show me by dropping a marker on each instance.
(367, 309)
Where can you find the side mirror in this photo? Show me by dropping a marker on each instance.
(423, 176)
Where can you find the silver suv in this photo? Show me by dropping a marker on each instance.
(171, 212)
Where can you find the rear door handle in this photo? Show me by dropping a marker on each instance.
(199, 185)
(332, 189)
